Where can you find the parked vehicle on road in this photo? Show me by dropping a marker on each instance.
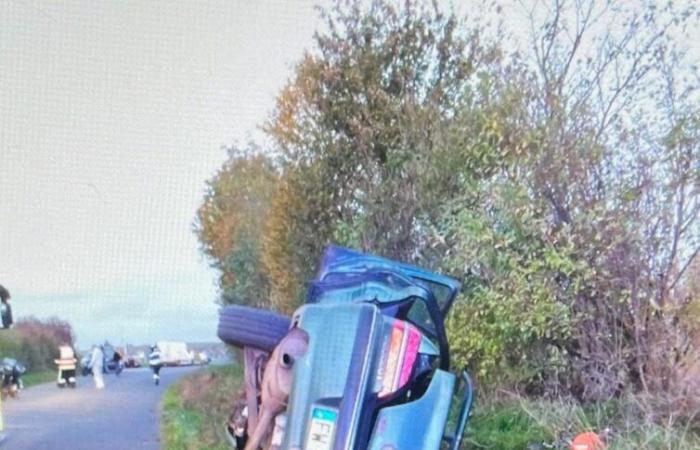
(202, 358)
(85, 368)
(132, 363)
(175, 353)
(364, 364)
(12, 372)
(113, 362)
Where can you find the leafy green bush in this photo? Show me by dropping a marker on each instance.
(562, 196)
(512, 322)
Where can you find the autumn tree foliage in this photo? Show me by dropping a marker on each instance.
(558, 178)
(229, 224)
(285, 262)
(352, 127)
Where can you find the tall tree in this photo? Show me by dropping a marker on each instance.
(357, 124)
(602, 139)
(229, 224)
(561, 183)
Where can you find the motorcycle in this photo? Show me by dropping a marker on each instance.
(12, 372)
(363, 364)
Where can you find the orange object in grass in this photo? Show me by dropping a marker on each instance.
(587, 441)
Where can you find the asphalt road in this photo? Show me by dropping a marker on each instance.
(122, 416)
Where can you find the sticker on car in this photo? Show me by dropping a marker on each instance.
(321, 429)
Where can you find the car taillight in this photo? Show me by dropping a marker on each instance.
(399, 357)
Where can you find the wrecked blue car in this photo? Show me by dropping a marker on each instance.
(363, 364)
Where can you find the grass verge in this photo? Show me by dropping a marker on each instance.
(538, 424)
(34, 378)
(195, 410)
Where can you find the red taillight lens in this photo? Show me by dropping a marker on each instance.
(399, 357)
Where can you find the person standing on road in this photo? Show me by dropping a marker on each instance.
(155, 362)
(5, 308)
(118, 362)
(97, 364)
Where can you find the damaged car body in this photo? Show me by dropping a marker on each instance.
(363, 364)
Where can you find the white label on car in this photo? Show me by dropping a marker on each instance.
(321, 430)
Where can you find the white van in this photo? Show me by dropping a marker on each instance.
(175, 353)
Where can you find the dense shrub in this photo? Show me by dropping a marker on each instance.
(35, 342)
(560, 184)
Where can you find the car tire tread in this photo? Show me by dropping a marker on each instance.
(243, 326)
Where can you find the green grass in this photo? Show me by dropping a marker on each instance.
(34, 378)
(195, 410)
(505, 427)
(523, 424)
(180, 425)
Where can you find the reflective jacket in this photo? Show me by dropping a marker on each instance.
(154, 357)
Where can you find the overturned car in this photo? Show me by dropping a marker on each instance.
(364, 364)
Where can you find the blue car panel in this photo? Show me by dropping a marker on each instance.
(334, 374)
(338, 259)
(418, 424)
(375, 372)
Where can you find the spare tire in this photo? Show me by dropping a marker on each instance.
(244, 326)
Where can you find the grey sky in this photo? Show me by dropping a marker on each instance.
(112, 116)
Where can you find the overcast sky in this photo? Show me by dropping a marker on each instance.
(112, 116)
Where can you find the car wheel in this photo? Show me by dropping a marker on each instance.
(243, 326)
